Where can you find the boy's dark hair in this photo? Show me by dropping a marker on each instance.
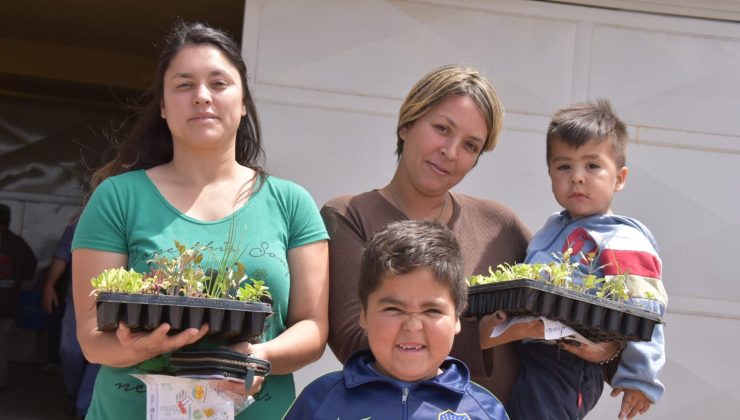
(575, 125)
(410, 244)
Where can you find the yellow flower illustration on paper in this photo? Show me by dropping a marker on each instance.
(199, 392)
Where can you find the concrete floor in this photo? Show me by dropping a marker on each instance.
(32, 393)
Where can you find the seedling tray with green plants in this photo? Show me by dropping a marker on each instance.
(225, 318)
(595, 318)
(597, 308)
(180, 292)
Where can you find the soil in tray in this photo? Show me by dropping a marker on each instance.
(595, 318)
(226, 318)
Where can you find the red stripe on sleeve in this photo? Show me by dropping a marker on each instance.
(637, 263)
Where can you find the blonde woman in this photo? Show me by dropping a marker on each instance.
(448, 119)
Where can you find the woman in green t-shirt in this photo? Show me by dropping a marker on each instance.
(188, 170)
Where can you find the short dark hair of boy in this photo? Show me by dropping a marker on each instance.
(406, 245)
(577, 124)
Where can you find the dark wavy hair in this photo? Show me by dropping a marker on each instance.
(148, 142)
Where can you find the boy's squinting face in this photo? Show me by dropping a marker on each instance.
(585, 179)
(411, 323)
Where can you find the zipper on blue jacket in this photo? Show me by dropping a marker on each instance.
(404, 407)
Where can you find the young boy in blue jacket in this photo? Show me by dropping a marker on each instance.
(412, 291)
(586, 158)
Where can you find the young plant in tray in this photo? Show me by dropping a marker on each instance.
(561, 273)
(198, 284)
(184, 275)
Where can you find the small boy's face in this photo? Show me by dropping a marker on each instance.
(585, 179)
(410, 322)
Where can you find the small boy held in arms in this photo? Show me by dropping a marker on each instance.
(586, 157)
(412, 293)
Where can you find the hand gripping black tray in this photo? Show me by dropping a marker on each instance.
(241, 321)
(593, 317)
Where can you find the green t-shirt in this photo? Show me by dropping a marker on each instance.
(128, 215)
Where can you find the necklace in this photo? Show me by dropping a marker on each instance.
(398, 205)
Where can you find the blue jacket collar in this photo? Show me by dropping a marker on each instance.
(360, 370)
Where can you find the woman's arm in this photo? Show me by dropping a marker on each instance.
(597, 353)
(122, 348)
(304, 340)
(345, 248)
(49, 298)
(531, 329)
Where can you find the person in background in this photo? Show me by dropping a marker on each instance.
(448, 119)
(17, 264)
(189, 171)
(412, 291)
(79, 375)
(586, 161)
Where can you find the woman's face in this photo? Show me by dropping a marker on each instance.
(443, 145)
(203, 98)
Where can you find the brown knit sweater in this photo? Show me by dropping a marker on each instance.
(489, 234)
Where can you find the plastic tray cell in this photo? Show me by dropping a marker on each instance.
(226, 318)
(564, 307)
(595, 318)
(173, 315)
(215, 320)
(152, 316)
(108, 316)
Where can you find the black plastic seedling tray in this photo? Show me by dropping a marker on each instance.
(225, 318)
(595, 318)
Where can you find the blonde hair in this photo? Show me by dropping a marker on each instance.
(448, 80)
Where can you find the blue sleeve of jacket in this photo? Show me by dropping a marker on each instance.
(312, 397)
(303, 407)
(640, 364)
(491, 407)
(300, 409)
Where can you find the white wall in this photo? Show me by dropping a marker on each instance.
(329, 77)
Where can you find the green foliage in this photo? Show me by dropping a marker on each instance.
(185, 275)
(253, 292)
(560, 273)
(118, 280)
(180, 276)
(229, 274)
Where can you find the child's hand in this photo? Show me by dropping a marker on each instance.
(532, 329)
(633, 403)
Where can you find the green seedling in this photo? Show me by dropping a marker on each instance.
(561, 273)
(185, 275)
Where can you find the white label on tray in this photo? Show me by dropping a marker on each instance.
(554, 330)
